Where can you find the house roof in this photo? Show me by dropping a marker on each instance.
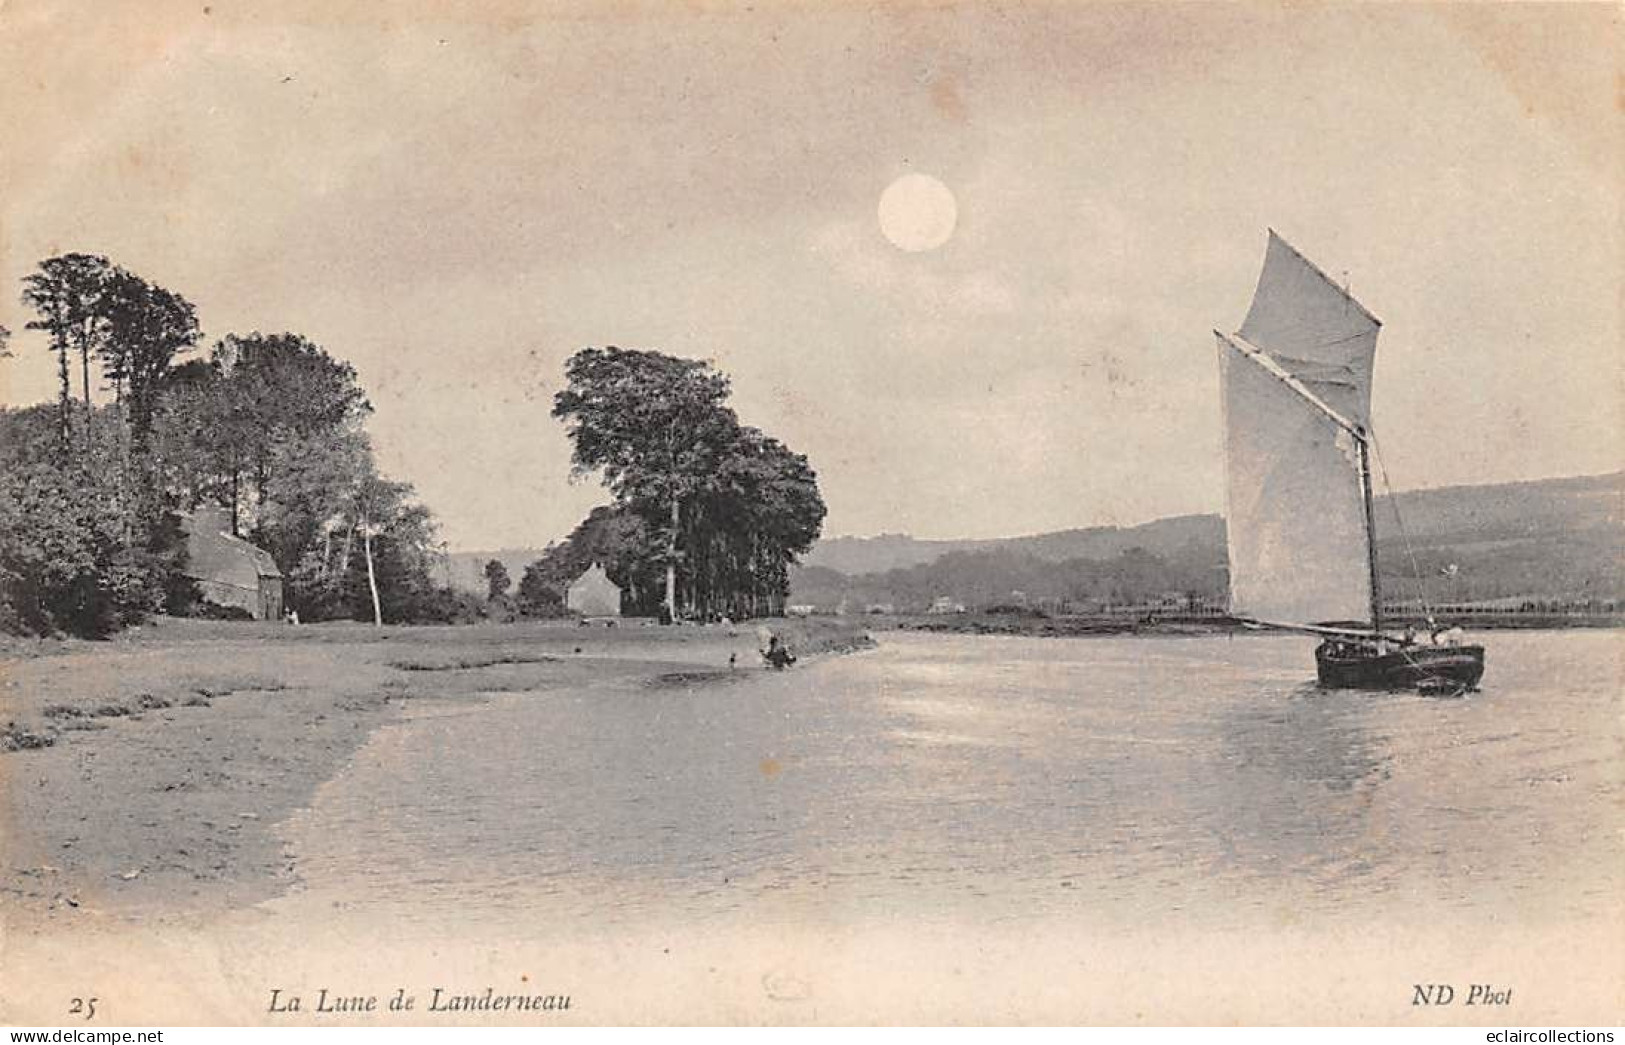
(594, 576)
(215, 555)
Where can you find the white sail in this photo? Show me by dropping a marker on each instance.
(1295, 507)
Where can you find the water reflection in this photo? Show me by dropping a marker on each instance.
(1299, 802)
(1122, 781)
(1310, 738)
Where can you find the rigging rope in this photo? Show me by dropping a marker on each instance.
(1399, 521)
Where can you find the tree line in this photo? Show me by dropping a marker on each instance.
(269, 427)
(993, 578)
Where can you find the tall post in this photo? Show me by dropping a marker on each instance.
(1370, 531)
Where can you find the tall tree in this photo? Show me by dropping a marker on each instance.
(760, 510)
(261, 406)
(146, 328)
(497, 581)
(382, 513)
(654, 425)
(768, 497)
(67, 294)
(365, 522)
(202, 440)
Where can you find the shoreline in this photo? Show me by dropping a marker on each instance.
(1184, 626)
(145, 777)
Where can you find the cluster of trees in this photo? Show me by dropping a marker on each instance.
(267, 426)
(84, 543)
(709, 514)
(271, 427)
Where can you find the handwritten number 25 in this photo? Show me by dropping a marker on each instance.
(83, 1006)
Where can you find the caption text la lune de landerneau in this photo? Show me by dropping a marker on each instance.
(440, 999)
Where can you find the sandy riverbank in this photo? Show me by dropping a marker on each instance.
(145, 776)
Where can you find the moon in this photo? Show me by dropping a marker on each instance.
(918, 213)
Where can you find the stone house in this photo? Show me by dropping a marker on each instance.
(228, 570)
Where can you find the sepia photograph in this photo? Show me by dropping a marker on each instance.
(811, 512)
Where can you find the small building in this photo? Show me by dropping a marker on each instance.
(228, 570)
(944, 604)
(593, 594)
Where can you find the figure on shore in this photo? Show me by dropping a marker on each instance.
(777, 656)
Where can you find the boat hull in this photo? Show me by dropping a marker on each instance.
(1441, 668)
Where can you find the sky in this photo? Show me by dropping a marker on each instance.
(455, 199)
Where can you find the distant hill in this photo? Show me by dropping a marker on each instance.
(1474, 513)
(859, 555)
(1559, 538)
(1549, 537)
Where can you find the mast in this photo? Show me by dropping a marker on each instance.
(1370, 531)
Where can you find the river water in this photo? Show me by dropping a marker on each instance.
(1103, 784)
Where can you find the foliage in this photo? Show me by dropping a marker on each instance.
(366, 518)
(759, 512)
(497, 581)
(269, 426)
(147, 327)
(631, 553)
(539, 595)
(258, 410)
(653, 425)
(724, 508)
(69, 560)
(68, 296)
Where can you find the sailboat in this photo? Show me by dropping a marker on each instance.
(1301, 539)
